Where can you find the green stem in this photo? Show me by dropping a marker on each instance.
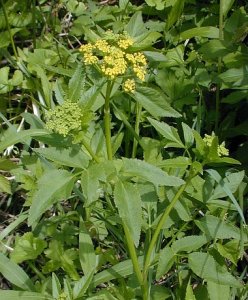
(160, 226)
(89, 149)
(217, 99)
(136, 128)
(133, 254)
(38, 273)
(9, 30)
(107, 121)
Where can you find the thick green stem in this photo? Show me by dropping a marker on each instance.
(159, 227)
(133, 254)
(107, 121)
(89, 149)
(9, 30)
(136, 128)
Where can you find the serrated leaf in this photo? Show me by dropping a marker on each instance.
(54, 185)
(166, 261)
(71, 157)
(189, 243)
(15, 274)
(205, 266)
(128, 202)
(154, 102)
(168, 132)
(188, 135)
(145, 171)
(27, 247)
(215, 228)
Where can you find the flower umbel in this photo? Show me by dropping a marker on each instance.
(221, 150)
(65, 118)
(111, 55)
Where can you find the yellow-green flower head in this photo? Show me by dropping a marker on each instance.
(221, 150)
(124, 43)
(65, 118)
(129, 86)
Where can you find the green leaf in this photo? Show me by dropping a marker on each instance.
(18, 295)
(189, 243)
(82, 285)
(135, 26)
(76, 85)
(230, 250)
(205, 266)
(215, 48)
(237, 76)
(12, 226)
(216, 176)
(14, 274)
(189, 292)
(168, 132)
(5, 186)
(120, 270)
(128, 202)
(71, 157)
(218, 291)
(56, 286)
(27, 247)
(13, 137)
(226, 6)
(166, 260)
(175, 13)
(188, 135)
(177, 162)
(215, 228)
(5, 38)
(208, 32)
(87, 255)
(154, 102)
(145, 171)
(54, 185)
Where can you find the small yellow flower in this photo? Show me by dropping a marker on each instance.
(90, 59)
(221, 150)
(125, 43)
(103, 46)
(129, 86)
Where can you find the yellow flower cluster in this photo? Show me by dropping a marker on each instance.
(64, 118)
(112, 55)
(129, 86)
(222, 150)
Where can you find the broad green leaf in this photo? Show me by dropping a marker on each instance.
(120, 270)
(15, 274)
(230, 250)
(215, 228)
(205, 266)
(27, 247)
(159, 292)
(216, 176)
(145, 171)
(208, 32)
(155, 56)
(72, 157)
(189, 292)
(5, 186)
(154, 102)
(87, 255)
(135, 26)
(5, 38)
(76, 85)
(175, 13)
(19, 295)
(128, 202)
(166, 260)
(168, 132)
(54, 185)
(10, 137)
(215, 48)
(56, 286)
(218, 291)
(188, 135)
(189, 243)
(237, 76)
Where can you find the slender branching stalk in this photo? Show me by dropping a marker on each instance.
(107, 120)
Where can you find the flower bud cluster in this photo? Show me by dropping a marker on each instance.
(221, 150)
(112, 55)
(65, 118)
